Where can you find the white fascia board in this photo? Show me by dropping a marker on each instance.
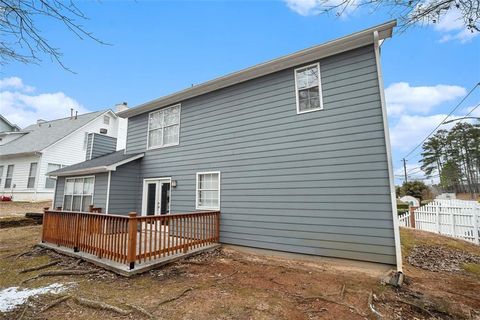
(347, 43)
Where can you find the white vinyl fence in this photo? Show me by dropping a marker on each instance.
(455, 218)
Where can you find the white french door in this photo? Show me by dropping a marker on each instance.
(156, 196)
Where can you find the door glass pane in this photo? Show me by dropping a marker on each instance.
(151, 198)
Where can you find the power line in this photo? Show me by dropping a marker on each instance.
(453, 110)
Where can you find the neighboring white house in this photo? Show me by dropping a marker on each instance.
(26, 156)
(412, 201)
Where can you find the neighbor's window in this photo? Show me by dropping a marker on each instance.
(31, 175)
(50, 182)
(78, 194)
(106, 120)
(164, 127)
(1, 174)
(208, 190)
(308, 88)
(8, 178)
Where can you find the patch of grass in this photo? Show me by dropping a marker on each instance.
(472, 268)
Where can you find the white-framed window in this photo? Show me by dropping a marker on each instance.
(106, 120)
(31, 175)
(50, 182)
(308, 88)
(208, 190)
(1, 174)
(8, 178)
(164, 127)
(78, 194)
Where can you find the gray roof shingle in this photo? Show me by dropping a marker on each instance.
(41, 136)
(103, 161)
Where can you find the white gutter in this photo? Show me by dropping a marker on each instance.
(108, 192)
(396, 229)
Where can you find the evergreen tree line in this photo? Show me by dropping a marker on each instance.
(454, 156)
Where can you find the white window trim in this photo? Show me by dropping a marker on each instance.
(319, 88)
(34, 177)
(11, 177)
(197, 207)
(65, 188)
(179, 122)
(144, 193)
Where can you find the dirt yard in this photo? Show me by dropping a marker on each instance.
(15, 209)
(233, 284)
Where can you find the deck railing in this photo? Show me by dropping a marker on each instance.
(130, 239)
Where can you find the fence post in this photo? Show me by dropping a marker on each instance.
(77, 232)
(44, 223)
(132, 239)
(476, 216)
(437, 215)
(412, 216)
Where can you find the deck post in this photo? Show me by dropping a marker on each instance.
(77, 232)
(44, 223)
(412, 216)
(217, 215)
(132, 239)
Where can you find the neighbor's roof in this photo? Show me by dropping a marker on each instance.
(13, 126)
(350, 42)
(105, 163)
(40, 136)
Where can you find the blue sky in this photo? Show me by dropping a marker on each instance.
(161, 47)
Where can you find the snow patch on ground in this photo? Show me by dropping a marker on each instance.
(14, 296)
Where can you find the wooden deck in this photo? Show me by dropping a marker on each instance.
(130, 242)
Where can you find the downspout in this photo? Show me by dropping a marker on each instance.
(108, 192)
(37, 176)
(396, 229)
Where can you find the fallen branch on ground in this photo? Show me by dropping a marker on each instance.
(418, 307)
(100, 305)
(176, 297)
(141, 310)
(53, 273)
(227, 276)
(55, 303)
(43, 266)
(24, 310)
(372, 307)
(320, 297)
(342, 292)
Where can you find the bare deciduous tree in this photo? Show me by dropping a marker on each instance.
(412, 12)
(22, 40)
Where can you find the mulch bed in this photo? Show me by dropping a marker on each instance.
(438, 259)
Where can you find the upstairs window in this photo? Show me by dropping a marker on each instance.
(208, 191)
(31, 175)
(308, 88)
(106, 120)
(164, 127)
(8, 178)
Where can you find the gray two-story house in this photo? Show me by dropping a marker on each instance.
(294, 152)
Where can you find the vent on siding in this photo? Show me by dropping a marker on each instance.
(103, 131)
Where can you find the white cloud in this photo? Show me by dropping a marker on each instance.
(402, 98)
(452, 25)
(23, 108)
(314, 7)
(411, 129)
(15, 83)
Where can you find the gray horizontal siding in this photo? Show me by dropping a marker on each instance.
(314, 183)
(124, 188)
(99, 192)
(102, 145)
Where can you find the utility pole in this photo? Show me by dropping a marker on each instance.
(405, 168)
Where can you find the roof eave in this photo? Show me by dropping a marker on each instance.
(330, 48)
